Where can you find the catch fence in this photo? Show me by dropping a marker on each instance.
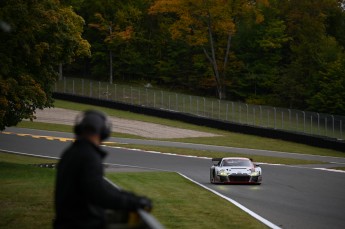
(253, 115)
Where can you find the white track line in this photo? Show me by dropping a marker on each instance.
(253, 214)
(330, 170)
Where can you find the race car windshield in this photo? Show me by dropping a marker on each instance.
(236, 162)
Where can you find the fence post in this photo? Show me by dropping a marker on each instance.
(290, 127)
(64, 84)
(303, 121)
(227, 110)
(233, 111)
(318, 123)
(139, 98)
(154, 99)
(212, 110)
(190, 104)
(147, 97)
(176, 108)
(326, 126)
(333, 124)
(297, 122)
(275, 117)
(254, 120)
(247, 112)
(311, 124)
(240, 112)
(184, 104)
(268, 118)
(131, 93)
(162, 100)
(169, 102)
(73, 87)
(282, 120)
(204, 106)
(90, 88)
(197, 106)
(115, 91)
(219, 109)
(261, 122)
(107, 91)
(341, 129)
(99, 89)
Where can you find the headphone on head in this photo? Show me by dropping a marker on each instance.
(93, 122)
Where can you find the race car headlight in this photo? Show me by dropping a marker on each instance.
(254, 174)
(222, 173)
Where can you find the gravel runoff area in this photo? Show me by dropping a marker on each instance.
(120, 125)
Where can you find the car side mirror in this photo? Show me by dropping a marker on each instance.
(256, 165)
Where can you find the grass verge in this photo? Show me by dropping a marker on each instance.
(205, 153)
(26, 196)
(226, 138)
(339, 168)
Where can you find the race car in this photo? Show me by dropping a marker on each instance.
(235, 170)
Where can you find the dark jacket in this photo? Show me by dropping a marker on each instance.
(81, 193)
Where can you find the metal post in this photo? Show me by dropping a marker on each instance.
(147, 97)
(341, 129)
(254, 120)
(247, 112)
(91, 89)
(139, 98)
(227, 110)
(296, 121)
(169, 102)
(131, 95)
(303, 121)
(197, 106)
(318, 123)
(184, 104)
(289, 119)
(190, 104)
(176, 107)
(311, 124)
(260, 122)
(73, 87)
(268, 118)
(326, 125)
(115, 91)
(212, 110)
(233, 111)
(240, 113)
(204, 107)
(107, 91)
(333, 124)
(282, 120)
(82, 87)
(64, 84)
(99, 89)
(275, 118)
(219, 109)
(162, 99)
(154, 99)
(55, 85)
(123, 94)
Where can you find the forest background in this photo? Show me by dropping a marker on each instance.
(287, 53)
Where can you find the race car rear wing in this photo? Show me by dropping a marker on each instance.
(216, 161)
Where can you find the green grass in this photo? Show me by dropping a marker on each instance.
(225, 139)
(26, 196)
(20, 159)
(205, 153)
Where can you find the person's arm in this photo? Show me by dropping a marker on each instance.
(98, 192)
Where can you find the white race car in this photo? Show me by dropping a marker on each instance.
(235, 170)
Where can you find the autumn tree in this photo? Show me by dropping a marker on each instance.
(39, 36)
(208, 24)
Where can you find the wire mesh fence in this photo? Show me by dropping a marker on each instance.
(253, 115)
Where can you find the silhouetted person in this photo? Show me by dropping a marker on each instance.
(82, 194)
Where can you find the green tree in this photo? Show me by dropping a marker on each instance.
(42, 34)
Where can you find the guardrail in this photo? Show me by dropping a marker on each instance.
(291, 120)
(130, 220)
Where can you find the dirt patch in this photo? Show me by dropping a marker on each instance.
(120, 125)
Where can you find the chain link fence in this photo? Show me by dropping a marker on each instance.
(254, 115)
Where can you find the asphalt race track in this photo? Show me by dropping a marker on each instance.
(290, 197)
